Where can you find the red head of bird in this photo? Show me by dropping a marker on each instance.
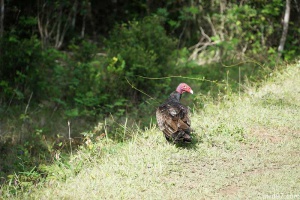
(183, 87)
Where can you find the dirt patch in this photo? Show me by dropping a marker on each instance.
(229, 190)
(273, 135)
(233, 189)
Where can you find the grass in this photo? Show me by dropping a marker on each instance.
(245, 147)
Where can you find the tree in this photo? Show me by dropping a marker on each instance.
(1, 18)
(54, 20)
(285, 27)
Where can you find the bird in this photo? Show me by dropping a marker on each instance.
(173, 117)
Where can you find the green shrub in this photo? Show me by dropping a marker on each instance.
(139, 49)
(19, 73)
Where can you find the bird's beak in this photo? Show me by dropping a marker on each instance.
(191, 91)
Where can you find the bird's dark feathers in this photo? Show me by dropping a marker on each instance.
(173, 119)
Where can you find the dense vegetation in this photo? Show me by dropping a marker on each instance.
(66, 65)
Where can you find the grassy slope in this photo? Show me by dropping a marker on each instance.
(247, 146)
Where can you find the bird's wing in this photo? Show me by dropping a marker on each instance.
(173, 117)
(173, 110)
(186, 116)
(182, 125)
(167, 119)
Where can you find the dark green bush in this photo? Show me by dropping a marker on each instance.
(135, 50)
(22, 69)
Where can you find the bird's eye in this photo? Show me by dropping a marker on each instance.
(184, 86)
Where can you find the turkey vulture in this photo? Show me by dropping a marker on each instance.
(173, 117)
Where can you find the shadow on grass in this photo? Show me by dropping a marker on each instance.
(191, 145)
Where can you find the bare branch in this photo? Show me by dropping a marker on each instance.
(58, 29)
(53, 23)
(83, 26)
(285, 27)
(205, 35)
(222, 9)
(66, 26)
(211, 25)
(1, 18)
(74, 14)
(201, 45)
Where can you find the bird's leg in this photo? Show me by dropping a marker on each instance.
(187, 138)
(169, 139)
(177, 136)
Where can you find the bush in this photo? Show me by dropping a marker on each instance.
(19, 70)
(135, 50)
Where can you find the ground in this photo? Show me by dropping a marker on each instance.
(245, 147)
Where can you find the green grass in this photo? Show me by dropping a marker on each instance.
(246, 147)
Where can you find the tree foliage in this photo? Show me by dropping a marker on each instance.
(87, 56)
(140, 49)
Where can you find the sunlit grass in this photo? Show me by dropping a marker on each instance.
(246, 147)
